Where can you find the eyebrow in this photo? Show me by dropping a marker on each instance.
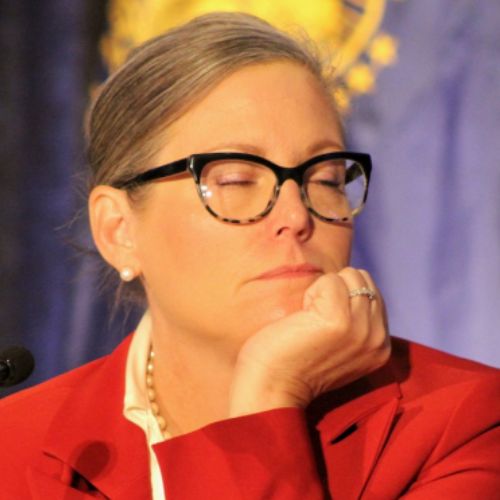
(247, 147)
(243, 147)
(324, 144)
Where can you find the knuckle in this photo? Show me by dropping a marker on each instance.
(366, 275)
(361, 340)
(378, 338)
(377, 344)
(347, 271)
(383, 353)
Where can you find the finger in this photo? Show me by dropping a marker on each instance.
(355, 280)
(369, 282)
(380, 327)
(328, 297)
(360, 305)
(378, 303)
(358, 280)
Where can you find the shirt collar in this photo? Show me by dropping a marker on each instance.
(136, 406)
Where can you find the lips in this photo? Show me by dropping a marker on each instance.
(293, 271)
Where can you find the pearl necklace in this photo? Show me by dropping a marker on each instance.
(150, 388)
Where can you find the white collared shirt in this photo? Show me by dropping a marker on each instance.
(136, 407)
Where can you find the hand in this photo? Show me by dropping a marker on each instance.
(332, 341)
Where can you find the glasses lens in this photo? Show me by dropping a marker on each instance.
(336, 188)
(237, 189)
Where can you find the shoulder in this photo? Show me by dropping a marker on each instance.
(42, 423)
(447, 404)
(41, 401)
(26, 418)
(422, 371)
(26, 415)
(445, 435)
(409, 351)
(446, 388)
(50, 391)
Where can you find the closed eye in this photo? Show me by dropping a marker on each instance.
(235, 182)
(329, 183)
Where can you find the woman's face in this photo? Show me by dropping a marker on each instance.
(202, 275)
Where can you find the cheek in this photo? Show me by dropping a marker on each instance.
(343, 244)
(167, 227)
(336, 245)
(189, 261)
(181, 246)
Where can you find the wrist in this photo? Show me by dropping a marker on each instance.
(254, 393)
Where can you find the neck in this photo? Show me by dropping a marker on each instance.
(192, 380)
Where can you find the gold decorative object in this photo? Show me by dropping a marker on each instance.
(360, 78)
(349, 29)
(383, 50)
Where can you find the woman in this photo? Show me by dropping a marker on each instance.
(221, 193)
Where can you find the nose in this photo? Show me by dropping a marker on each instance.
(289, 215)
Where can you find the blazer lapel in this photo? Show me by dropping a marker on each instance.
(90, 438)
(353, 433)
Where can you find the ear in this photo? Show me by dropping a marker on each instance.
(111, 222)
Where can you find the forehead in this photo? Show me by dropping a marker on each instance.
(264, 107)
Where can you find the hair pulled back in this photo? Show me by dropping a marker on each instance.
(162, 78)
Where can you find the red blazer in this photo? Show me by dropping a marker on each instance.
(424, 427)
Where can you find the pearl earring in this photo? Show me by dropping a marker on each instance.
(127, 274)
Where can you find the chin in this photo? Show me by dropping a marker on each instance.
(267, 301)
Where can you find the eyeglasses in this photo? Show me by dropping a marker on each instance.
(242, 188)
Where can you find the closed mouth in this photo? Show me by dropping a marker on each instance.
(291, 271)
